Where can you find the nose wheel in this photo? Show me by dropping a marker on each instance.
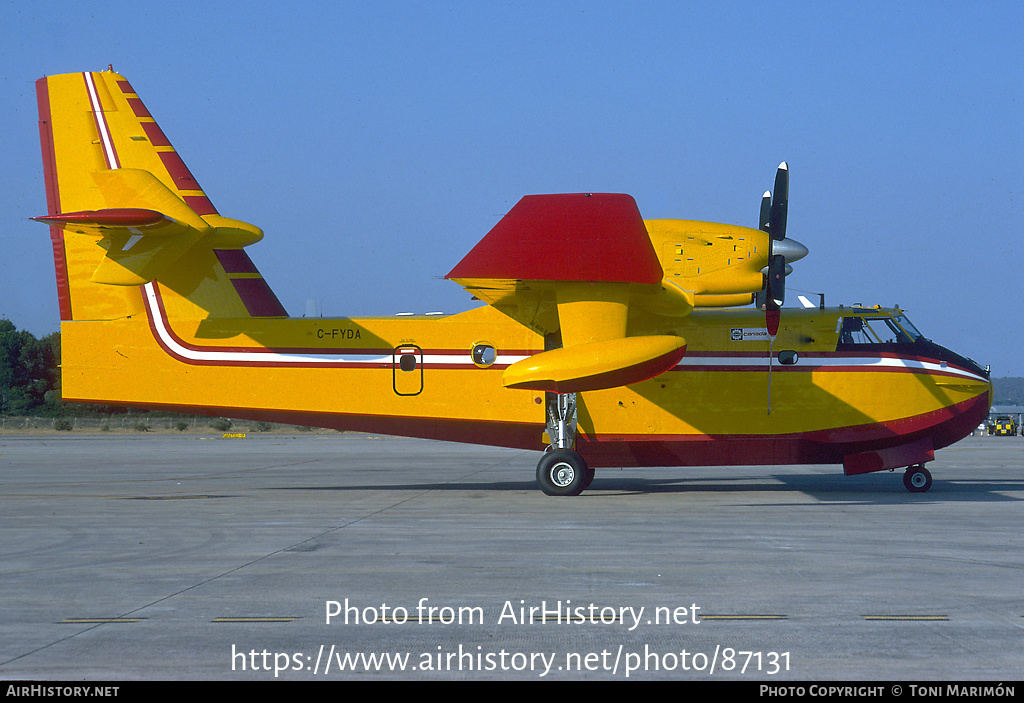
(917, 479)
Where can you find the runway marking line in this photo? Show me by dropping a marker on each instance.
(93, 621)
(256, 619)
(921, 618)
(748, 616)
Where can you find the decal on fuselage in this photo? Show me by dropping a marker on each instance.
(748, 334)
(338, 333)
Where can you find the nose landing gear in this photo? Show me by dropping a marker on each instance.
(917, 479)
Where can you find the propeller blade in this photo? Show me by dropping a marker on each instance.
(780, 204)
(766, 210)
(774, 212)
(777, 280)
(760, 297)
(773, 295)
(771, 321)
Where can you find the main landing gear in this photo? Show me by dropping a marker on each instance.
(917, 479)
(562, 471)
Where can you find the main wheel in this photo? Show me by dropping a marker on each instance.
(562, 472)
(917, 479)
(588, 477)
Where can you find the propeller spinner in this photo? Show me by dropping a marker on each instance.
(774, 211)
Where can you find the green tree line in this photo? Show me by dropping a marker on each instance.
(29, 372)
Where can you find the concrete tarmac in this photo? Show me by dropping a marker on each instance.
(339, 556)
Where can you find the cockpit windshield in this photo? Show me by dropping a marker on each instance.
(895, 329)
(887, 331)
(904, 322)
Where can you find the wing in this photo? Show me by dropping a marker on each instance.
(578, 264)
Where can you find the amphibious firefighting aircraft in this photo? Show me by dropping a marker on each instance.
(606, 341)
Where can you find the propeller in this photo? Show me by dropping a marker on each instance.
(774, 211)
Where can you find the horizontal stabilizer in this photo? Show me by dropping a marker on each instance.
(596, 365)
(112, 217)
(147, 227)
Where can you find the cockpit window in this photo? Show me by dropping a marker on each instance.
(875, 330)
(907, 326)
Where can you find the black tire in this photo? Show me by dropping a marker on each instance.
(588, 478)
(562, 472)
(917, 479)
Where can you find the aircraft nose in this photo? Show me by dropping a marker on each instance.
(789, 248)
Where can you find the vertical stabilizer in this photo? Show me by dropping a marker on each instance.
(124, 210)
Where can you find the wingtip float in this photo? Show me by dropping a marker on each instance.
(607, 339)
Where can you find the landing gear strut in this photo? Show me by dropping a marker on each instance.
(561, 425)
(917, 479)
(562, 471)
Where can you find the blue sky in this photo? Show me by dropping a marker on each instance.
(376, 143)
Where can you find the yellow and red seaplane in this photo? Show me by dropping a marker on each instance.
(607, 340)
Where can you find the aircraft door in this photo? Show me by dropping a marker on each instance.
(407, 369)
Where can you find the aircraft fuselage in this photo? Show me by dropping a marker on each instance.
(814, 395)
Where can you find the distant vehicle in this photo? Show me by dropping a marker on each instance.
(1004, 426)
